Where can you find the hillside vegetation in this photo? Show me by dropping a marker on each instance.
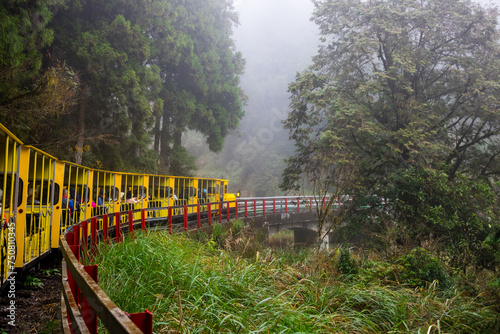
(237, 282)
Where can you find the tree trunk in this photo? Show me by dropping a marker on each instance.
(80, 131)
(157, 134)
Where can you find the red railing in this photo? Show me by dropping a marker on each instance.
(83, 301)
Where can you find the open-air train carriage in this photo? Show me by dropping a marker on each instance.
(42, 197)
(10, 184)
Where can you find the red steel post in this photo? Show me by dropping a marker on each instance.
(170, 219)
(236, 205)
(220, 212)
(198, 216)
(274, 205)
(76, 235)
(263, 207)
(143, 220)
(298, 204)
(130, 222)
(255, 208)
(118, 231)
(185, 217)
(72, 284)
(93, 231)
(143, 320)
(88, 314)
(85, 234)
(105, 227)
(70, 238)
(209, 214)
(286, 205)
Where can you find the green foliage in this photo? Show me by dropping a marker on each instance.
(182, 162)
(393, 97)
(381, 271)
(282, 240)
(35, 88)
(421, 269)
(218, 233)
(34, 282)
(457, 212)
(92, 75)
(221, 292)
(50, 327)
(344, 261)
(52, 271)
(238, 226)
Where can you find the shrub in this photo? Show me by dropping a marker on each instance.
(458, 212)
(420, 268)
(344, 261)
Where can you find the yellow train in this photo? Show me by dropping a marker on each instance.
(42, 196)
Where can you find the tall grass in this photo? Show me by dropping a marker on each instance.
(193, 288)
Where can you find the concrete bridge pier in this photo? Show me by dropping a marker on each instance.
(303, 224)
(304, 237)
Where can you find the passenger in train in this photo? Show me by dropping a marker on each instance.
(75, 196)
(130, 198)
(67, 202)
(99, 208)
(100, 201)
(31, 199)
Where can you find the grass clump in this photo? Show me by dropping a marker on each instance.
(193, 287)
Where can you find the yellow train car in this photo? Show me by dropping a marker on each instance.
(76, 196)
(161, 194)
(185, 193)
(134, 193)
(41, 197)
(38, 193)
(106, 192)
(10, 184)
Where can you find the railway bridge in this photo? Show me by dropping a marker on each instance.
(304, 225)
(276, 214)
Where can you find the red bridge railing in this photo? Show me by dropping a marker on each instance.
(83, 301)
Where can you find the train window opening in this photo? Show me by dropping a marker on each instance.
(40, 192)
(187, 192)
(140, 192)
(212, 191)
(79, 192)
(6, 192)
(108, 193)
(112, 193)
(164, 192)
(104, 187)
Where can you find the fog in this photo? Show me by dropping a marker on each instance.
(277, 40)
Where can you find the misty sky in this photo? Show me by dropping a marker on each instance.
(274, 33)
(277, 40)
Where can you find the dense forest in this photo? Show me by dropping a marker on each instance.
(114, 84)
(400, 111)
